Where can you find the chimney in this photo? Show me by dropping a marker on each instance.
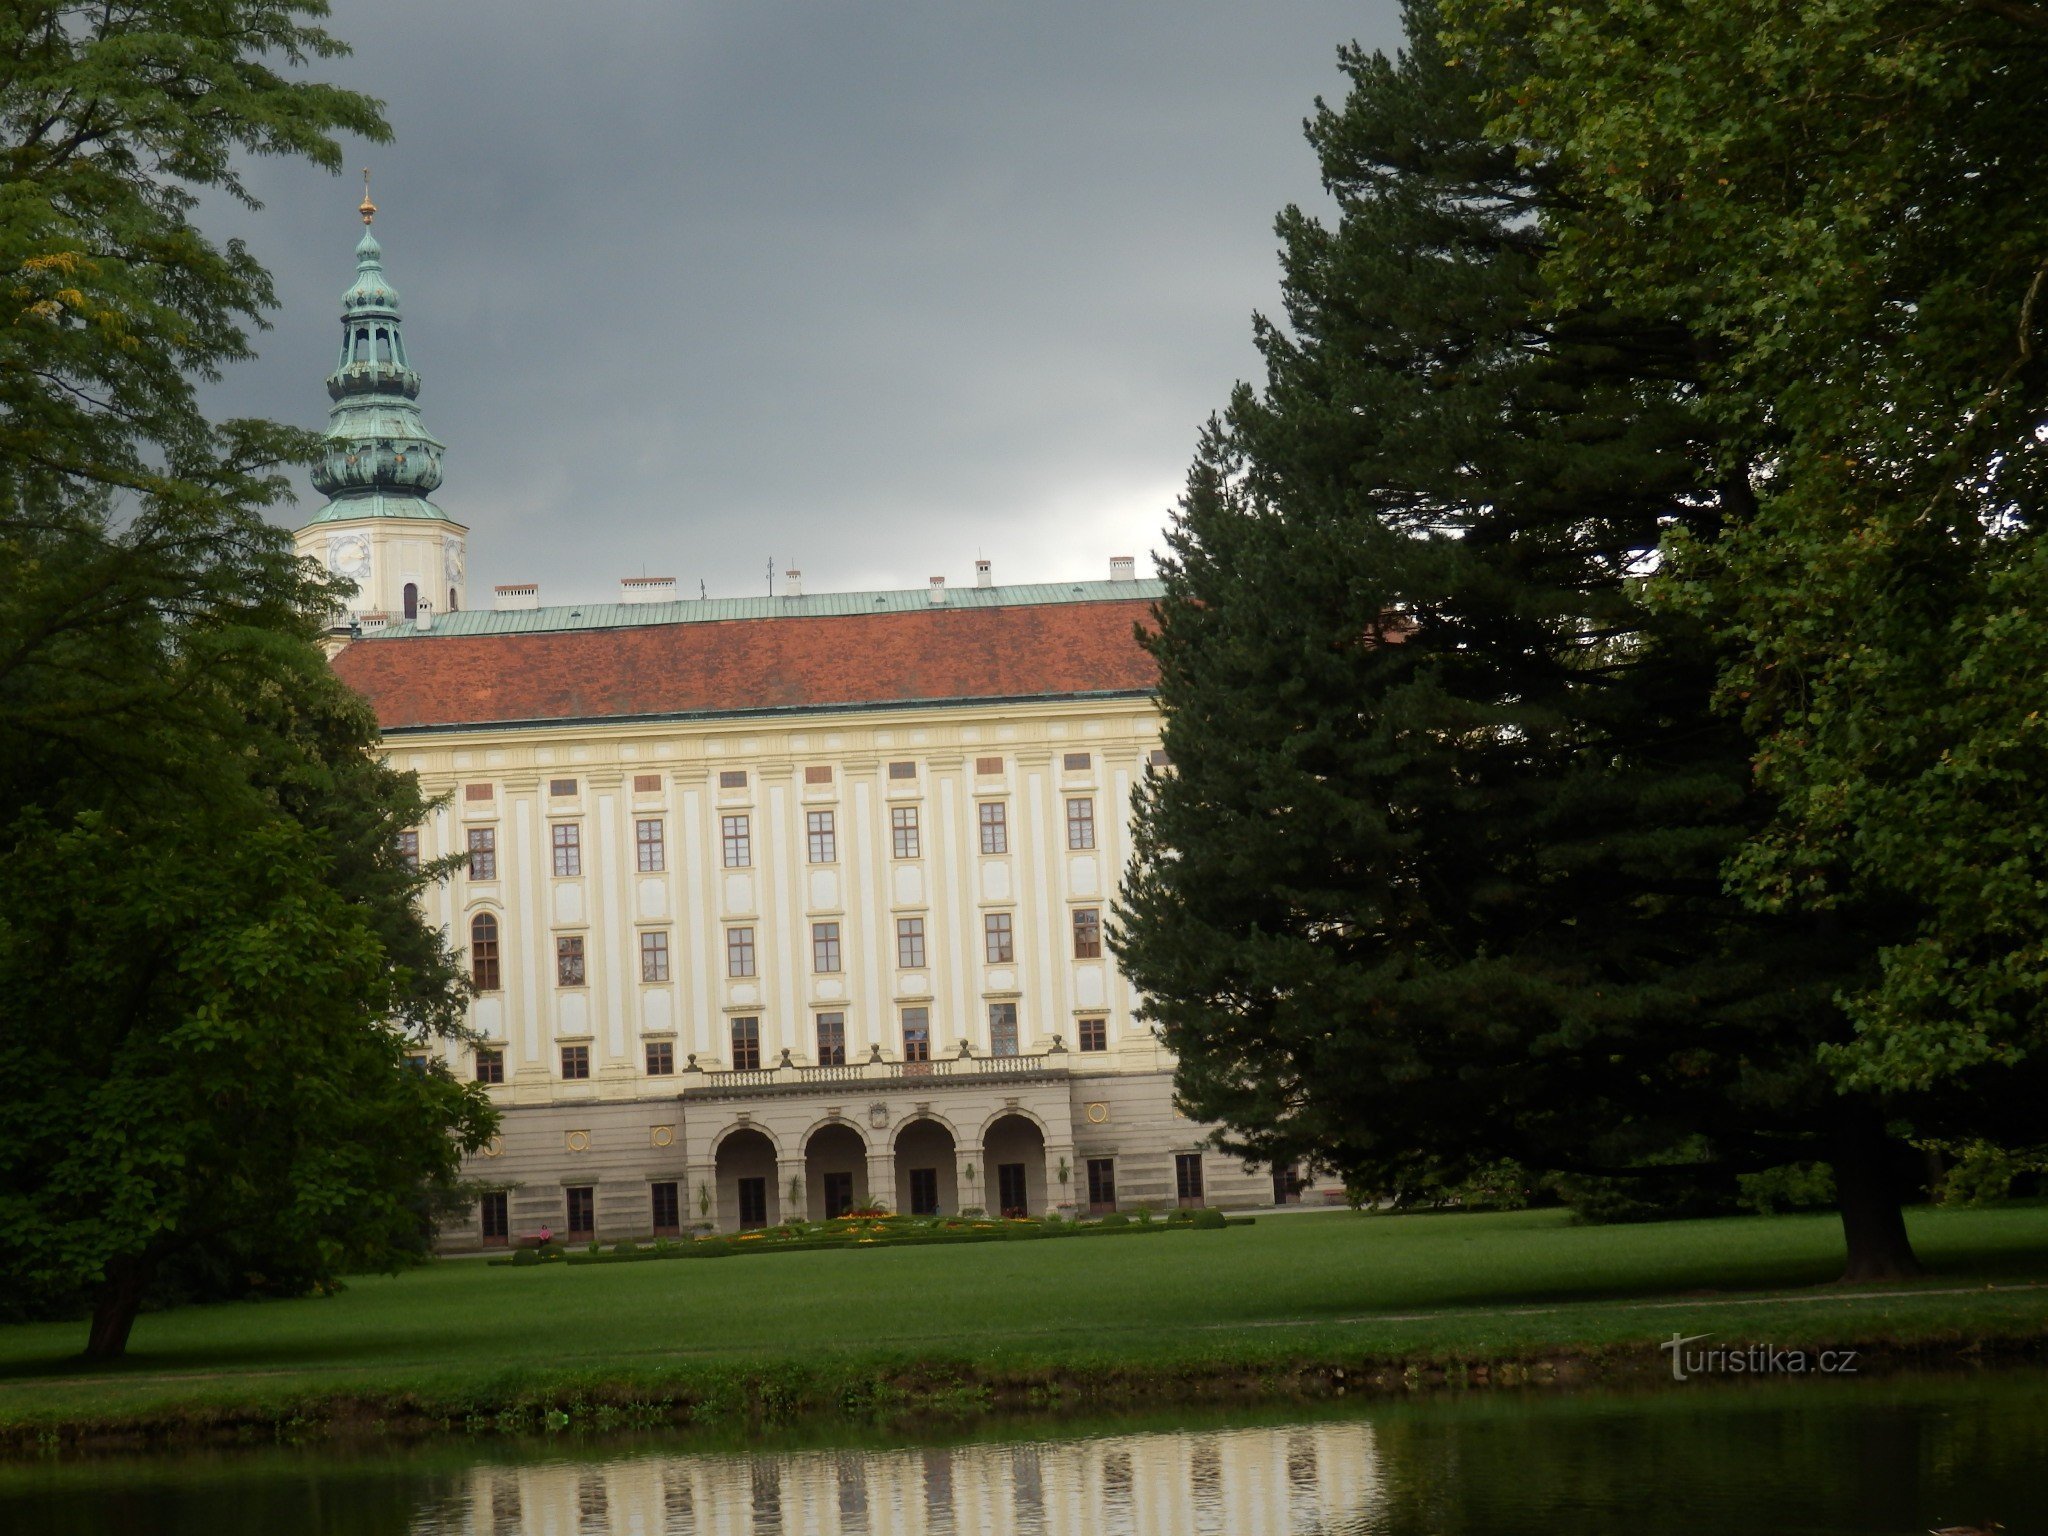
(983, 576)
(792, 583)
(938, 592)
(423, 619)
(1123, 568)
(647, 589)
(517, 595)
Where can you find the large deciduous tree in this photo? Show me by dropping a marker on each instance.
(1437, 874)
(212, 963)
(1849, 206)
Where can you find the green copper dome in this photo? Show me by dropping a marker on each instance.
(380, 461)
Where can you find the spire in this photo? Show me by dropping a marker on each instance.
(380, 460)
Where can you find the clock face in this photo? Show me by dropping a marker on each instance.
(451, 559)
(348, 554)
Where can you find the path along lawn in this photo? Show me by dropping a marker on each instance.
(1325, 1287)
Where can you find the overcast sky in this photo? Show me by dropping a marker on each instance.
(873, 289)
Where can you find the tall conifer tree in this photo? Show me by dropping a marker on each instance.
(1436, 876)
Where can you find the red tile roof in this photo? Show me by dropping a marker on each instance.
(740, 666)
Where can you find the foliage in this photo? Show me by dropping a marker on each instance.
(212, 964)
(1981, 1173)
(1436, 879)
(1849, 208)
(1796, 1187)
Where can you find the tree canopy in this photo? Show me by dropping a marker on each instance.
(1438, 875)
(215, 982)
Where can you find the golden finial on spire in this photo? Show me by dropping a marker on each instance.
(367, 208)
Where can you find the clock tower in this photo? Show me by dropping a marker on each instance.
(378, 529)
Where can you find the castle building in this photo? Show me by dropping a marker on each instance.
(775, 907)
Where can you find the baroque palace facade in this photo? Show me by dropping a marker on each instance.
(774, 907)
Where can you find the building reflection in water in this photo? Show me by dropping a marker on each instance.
(1311, 1480)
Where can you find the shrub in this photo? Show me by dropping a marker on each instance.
(1115, 1219)
(625, 1247)
(1798, 1187)
(1144, 1215)
(525, 1256)
(1207, 1218)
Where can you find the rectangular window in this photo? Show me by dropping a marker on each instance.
(818, 775)
(561, 786)
(661, 1058)
(824, 947)
(995, 827)
(917, 1034)
(496, 1221)
(1087, 933)
(668, 1209)
(924, 1191)
(1081, 823)
(1002, 1029)
(739, 843)
(824, 842)
(1158, 759)
(739, 951)
(1076, 762)
(753, 1195)
(903, 770)
(575, 1062)
(838, 1201)
(409, 849)
(654, 956)
(483, 952)
(910, 943)
(903, 828)
(569, 960)
(490, 1064)
(746, 1044)
(732, 778)
(478, 791)
(483, 854)
(646, 783)
(1094, 1034)
(1102, 1183)
(1187, 1177)
(568, 848)
(831, 1039)
(582, 1203)
(997, 938)
(649, 844)
(988, 765)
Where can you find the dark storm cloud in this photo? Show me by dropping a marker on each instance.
(873, 289)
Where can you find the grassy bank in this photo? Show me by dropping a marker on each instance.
(1281, 1307)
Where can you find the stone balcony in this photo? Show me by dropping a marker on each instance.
(786, 1077)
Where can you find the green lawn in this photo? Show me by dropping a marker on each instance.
(1319, 1288)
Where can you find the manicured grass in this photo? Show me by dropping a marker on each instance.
(1316, 1290)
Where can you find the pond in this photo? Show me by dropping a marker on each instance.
(1870, 1456)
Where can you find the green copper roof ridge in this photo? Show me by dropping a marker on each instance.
(577, 618)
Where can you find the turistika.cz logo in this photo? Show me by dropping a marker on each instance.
(1752, 1359)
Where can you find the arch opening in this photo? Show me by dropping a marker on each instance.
(835, 1172)
(1015, 1150)
(927, 1180)
(412, 600)
(745, 1171)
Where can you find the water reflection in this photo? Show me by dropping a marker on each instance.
(1306, 1479)
(1876, 1457)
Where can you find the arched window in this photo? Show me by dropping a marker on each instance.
(483, 952)
(452, 604)
(383, 345)
(412, 601)
(362, 353)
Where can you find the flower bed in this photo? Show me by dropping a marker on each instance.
(879, 1229)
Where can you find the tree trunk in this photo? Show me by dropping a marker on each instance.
(113, 1311)
(1866, 1164)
